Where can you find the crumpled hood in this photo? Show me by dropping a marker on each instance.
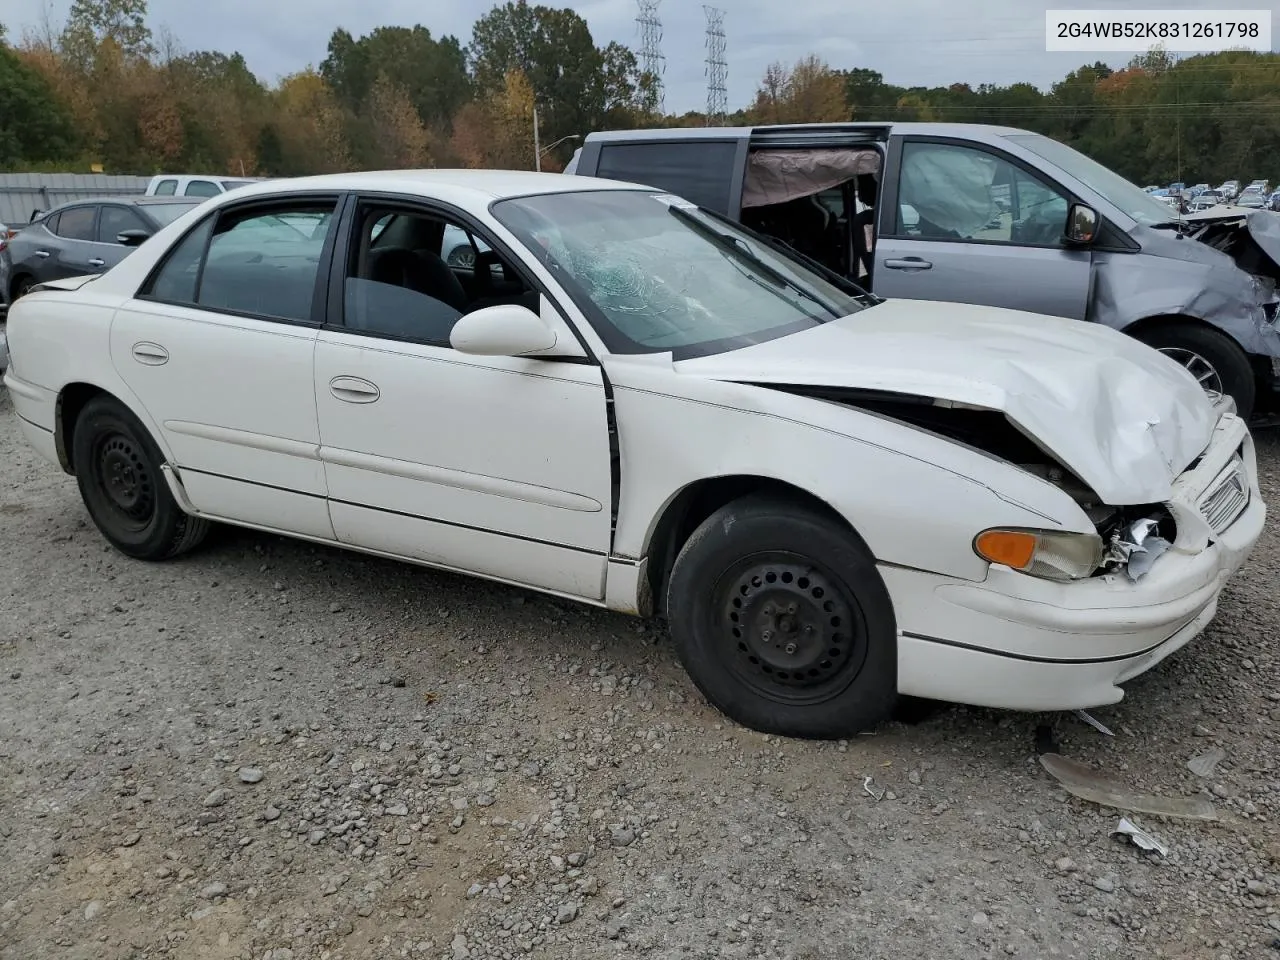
(1125, 419)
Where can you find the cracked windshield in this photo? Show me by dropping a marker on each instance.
(666, 276)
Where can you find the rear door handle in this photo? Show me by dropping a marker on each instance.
(354, 390)
(42, 253)
(908, 263)
(96, 262)
(152, 354)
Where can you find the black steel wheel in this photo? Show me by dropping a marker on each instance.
(783, 622)
(117, 467)
(790, 631)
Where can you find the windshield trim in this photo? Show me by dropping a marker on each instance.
(613, 339)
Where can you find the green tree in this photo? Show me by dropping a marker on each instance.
(34, 126)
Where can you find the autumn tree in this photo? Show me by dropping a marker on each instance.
(497, 131)
(401, 138)
(90, 23)
(809, 92)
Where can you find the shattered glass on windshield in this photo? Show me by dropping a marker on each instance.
(658, 274)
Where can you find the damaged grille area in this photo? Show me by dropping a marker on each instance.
(1227, 498)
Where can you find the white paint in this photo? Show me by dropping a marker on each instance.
(499, 466)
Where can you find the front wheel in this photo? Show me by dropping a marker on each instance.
(783, 622)
(117, 467)
(1217, 362)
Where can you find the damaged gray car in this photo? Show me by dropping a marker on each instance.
(987, 215)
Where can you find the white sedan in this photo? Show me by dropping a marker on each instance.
(628, 401)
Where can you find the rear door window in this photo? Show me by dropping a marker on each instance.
(78, 223)
(701, 172)
(166, 188)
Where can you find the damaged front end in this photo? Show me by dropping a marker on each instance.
(1133, 537)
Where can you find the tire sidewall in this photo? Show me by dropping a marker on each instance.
(741, 529)
(155, 539)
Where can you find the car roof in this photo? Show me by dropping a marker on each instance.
(130, 199)
(972, 130)
(481, 185)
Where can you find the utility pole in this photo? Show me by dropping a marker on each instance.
(537, 146)
(717, 67)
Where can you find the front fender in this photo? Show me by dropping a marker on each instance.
(916, 499)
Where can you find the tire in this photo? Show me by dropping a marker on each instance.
(1213, 358)
(21, 287)
(783, 622)
(117, 467)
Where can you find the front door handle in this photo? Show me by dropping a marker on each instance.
(42, 254)
(908, 263)
(152, 354)
(96, 262)
(354, 390)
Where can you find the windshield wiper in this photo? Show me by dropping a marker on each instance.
(736, 248)
(817, 266)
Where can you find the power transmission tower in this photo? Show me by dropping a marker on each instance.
(717, 67)
(652, 61)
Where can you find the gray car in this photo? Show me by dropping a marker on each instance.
(986, 215)
(82, 237)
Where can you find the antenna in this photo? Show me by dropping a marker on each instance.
(717, 67)
(652, 61)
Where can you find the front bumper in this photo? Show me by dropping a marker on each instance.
(1017, 642)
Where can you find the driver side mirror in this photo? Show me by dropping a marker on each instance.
(505, 330)
(1082, 224)
(132, 238)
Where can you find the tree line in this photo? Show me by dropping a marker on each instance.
(105, 90)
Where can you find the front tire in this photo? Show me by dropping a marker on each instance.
(117, 468)
(783, 622)
(1214, 359)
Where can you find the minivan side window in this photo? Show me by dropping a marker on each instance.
(952, 192)
(166, 188)
(699, 172)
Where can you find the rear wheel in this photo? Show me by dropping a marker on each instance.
(21, 287)
(1214, 359)
(117, 467)
(782, 621)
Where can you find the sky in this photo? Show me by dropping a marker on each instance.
(911, 42)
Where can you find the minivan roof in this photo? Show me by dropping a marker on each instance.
(973, 130)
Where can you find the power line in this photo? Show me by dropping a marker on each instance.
(717, 67)
(652, 61)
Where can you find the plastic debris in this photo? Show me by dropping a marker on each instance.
(866, 785)
(1090, 785)
(1139, 837)
(1095, 723)
(1203, 765)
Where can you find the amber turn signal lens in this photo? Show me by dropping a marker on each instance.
(1013, 548)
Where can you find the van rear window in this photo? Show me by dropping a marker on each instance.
(701, 172)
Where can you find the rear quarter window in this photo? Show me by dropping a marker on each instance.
(701, 172)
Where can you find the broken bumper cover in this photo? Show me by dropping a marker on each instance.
(1016, 642)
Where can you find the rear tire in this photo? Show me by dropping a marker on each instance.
(782, 621)
(117, 468)
(1213, 358)
(21, 287)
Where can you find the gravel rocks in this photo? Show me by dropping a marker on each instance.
(547, 782)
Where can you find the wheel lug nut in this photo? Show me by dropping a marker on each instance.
(791, 608)
(767, 635)
(791, 648)
(768, 609)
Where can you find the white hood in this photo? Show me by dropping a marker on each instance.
(1122, 417)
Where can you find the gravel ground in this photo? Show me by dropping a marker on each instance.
(273, 750)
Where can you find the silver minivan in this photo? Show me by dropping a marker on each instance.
(990, 215)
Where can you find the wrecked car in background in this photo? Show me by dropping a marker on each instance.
(832, 498)
(977, 214)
